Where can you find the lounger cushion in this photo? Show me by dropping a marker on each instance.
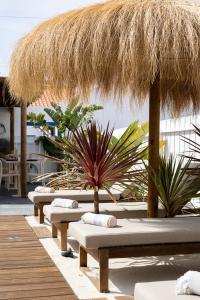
(79, 195)
(121, 210)
(138, 232)
(162, 290)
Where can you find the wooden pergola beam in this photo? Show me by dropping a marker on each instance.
(12, 128)
(23, 152)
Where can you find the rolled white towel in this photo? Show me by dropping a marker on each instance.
(194, 282)
(67, 203)
(44, 189)
(182, 285)
(188, 284)
(99, 220)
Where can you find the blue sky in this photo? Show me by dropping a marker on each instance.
(17, 17)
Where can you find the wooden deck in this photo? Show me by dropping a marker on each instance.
(26, 270)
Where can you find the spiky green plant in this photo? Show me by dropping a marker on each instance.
(175, 186)
(97, 167)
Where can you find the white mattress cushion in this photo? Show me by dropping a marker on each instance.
(162, 290)
(121, 210)
(79, 195)
(138, 232)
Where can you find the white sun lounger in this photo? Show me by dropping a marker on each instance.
(41, 199)
(135, 238)
(61, 217)
(161, 290)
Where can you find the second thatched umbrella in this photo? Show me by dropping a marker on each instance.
(141, 47)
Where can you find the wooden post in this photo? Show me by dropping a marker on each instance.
(23, 178)
(35, 210)
(83, 257)
(12, 129)
(63, 236)
(54, 231)
(103, 270)
(154, 138)
(41, 213)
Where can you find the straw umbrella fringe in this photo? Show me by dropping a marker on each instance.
(118, 46)
(137, 46)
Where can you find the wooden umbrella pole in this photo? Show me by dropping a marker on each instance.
(154, 138)
(23, 153)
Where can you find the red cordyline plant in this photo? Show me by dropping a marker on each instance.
(97, 167)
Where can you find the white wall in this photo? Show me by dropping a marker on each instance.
(119, 115)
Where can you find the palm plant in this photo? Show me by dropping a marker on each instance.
(74, 116)
(39, 121)
(175, 186)
(136, 133)
(97, 167)
(67, 121)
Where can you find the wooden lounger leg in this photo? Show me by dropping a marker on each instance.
(83, 257)
(63, 236)
(54, 231)
(41, 214)
(35, 210)
(103, 266)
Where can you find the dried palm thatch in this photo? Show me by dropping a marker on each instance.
(117, 47)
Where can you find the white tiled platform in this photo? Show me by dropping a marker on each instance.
(124, 273)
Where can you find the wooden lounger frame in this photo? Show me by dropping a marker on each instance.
(38, 207)
(104, 254)
(38, 210)
(62, 227)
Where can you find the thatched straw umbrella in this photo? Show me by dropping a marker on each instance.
(144, 47)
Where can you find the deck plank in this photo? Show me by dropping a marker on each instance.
(26, 270)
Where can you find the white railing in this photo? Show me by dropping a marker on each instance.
(172, 131)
